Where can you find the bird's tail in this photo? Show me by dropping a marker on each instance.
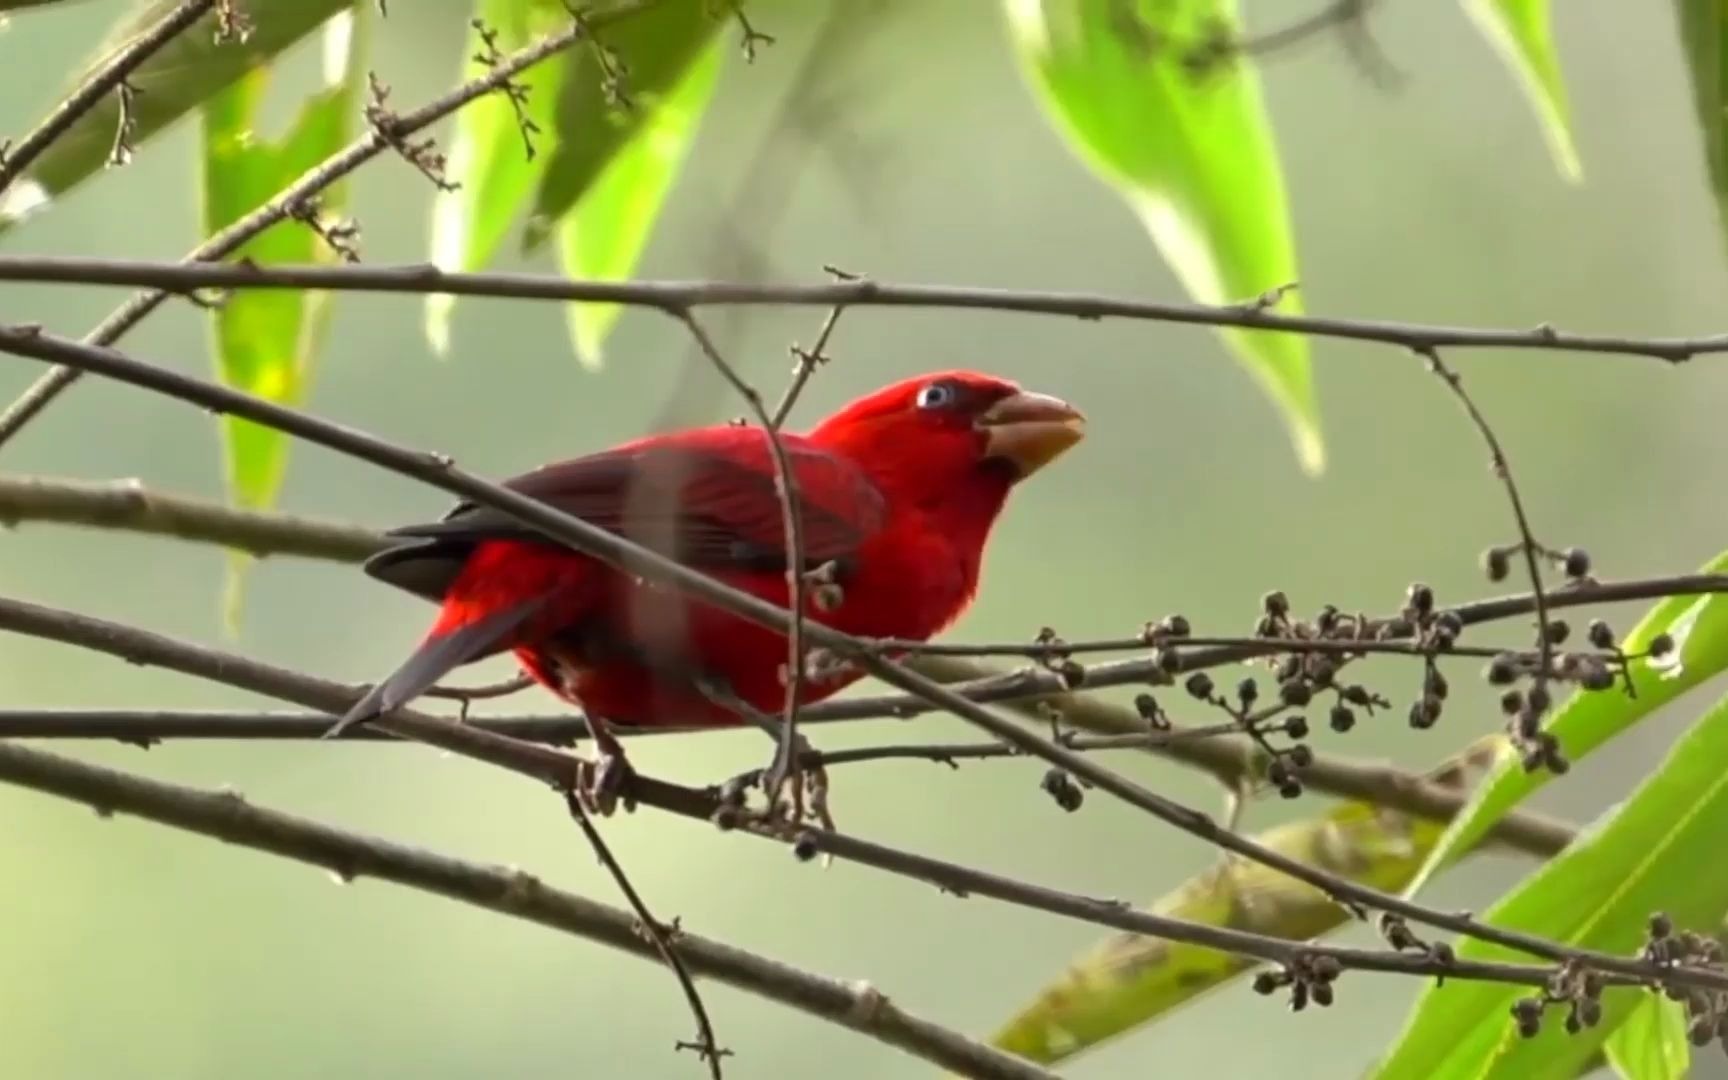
(447, 647)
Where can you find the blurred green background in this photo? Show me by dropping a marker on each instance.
(132, 950)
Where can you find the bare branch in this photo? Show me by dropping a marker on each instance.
(110, 76)
(226, 816)
(672, 297)
(381, 137)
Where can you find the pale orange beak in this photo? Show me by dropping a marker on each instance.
(1030, 430)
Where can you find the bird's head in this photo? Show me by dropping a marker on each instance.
(928, 436)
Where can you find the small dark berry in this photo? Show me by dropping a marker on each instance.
(1701, 1030)
(1496, 564)
(1511, 702)
(1558, 631)
(1527, 1009)
(726, 818)
(1538, 699)
(1577, 562)
(1358, 695)
(1529, 1029)
(1073, 673)
(1596, 676)
(1295, 692)
(1168, 660)
(1601, 635)
(1591, 985)
(1321, 670)
(1265, 626)
(1267, 982)
(1661, 925)
(1199, 685)
(1277, 773)
(1288, 668)
(1573, 1024)
(804, 848)
(1321, 993)
(1590, 1011)
(1062, 788)
(1176, 626)
(1301, 755)
(1661, 645)
(1556, 762)
(1342, 719)
(1327, 620)
(1147, 706)
(1248, 691)
(1424, 713)
(1448, 623)
(1435, 684)
(1275, 604)
(1296, 727)
(1502, 670)
(1298, 996)
(1325, 968)
(1421, 598)
(1290, 789)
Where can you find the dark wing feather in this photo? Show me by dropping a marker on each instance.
(706, 498)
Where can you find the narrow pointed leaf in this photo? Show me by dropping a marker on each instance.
(1660, 850)
(188, 71)
(1520, 32)
(602, 236)
(490, 158)
(1129, 980)
(1189, 146)
(1652, 1043)
(1704, 39)
(266, 341)
(606, 97)
(1698, 626)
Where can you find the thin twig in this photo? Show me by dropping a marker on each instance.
(226, 816)
(108, 77)
(785, 771)
(707, 1047)
(671, 297)
(808, 361)
(280, 207)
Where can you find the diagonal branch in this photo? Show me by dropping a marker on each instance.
(108, 78)
(378, 139)
(226, 816)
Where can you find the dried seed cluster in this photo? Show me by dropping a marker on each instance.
(1309, 977)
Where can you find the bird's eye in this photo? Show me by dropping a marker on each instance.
(938, 395)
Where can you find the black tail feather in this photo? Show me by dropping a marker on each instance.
(436, 658)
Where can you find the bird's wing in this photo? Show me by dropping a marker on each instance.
(705, 497)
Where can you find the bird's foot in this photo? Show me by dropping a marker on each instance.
(605, 781)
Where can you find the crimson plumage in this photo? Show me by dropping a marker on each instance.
(898, 491)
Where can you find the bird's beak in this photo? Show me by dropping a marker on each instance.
(1030, 430)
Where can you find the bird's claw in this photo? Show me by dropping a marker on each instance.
(602, 783)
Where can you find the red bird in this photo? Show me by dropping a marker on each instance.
(897, 491)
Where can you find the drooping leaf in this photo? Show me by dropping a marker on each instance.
(1652, 1043)
(1520, 32)
(608, 93)
(186, 72)
(1587, 720)
(1179, 128)
(1129, 980)
(266, 340)
(1704, 39)
(602, 235)
(490, 156)
(1660, 850)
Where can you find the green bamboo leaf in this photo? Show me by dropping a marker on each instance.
(603, 234)
(266, 341)
(1659, 851)
(489, 158)
(1519, 31)
(1129, 980)
(188, 71)
(1652, 1043)
(607, 95)
(1587, 720)
(1704, 39)
(1183, 135)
